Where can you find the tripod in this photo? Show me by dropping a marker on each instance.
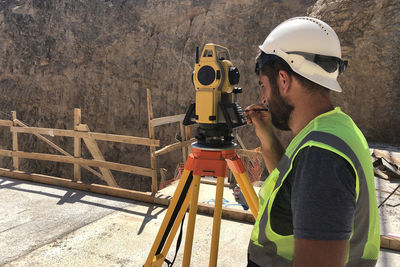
(203, 161)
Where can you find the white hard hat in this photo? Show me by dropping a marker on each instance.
(310, 47)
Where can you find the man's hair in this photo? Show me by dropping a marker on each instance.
(272, 71)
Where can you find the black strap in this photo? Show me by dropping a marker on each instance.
(178, 244)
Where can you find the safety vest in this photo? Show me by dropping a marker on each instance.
(336, 132)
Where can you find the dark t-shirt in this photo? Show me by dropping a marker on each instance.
(318, 198)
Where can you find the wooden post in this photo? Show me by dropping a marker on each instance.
(188, 136)
(153, 160)
(77, 144)
(163, 175)
(15, 141)
(183, 137)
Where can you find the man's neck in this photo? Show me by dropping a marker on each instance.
(307, 110)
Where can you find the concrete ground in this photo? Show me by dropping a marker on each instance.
(43, 225)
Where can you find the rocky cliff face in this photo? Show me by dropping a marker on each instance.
(101, 56)
(370, 35)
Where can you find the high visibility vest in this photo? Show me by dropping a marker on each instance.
(336, 132)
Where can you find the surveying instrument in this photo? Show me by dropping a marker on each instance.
(217, 112)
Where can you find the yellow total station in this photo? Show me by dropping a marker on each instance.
(214, 78)
(216, 109)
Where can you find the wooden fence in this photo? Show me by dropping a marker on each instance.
(81, 134)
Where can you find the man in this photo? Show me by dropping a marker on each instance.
(318, 205)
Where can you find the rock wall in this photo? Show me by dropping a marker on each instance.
(370, 35)
(101, 56)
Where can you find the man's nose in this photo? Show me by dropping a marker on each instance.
(263, 100)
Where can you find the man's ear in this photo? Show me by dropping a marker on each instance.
(284, 81)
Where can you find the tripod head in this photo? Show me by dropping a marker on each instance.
(216, 109)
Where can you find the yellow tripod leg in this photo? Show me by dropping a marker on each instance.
(216, 222)
(191, 221)
(177, 208)
(248, 191)
(235, 164)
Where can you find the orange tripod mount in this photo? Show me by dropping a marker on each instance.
(203, 161)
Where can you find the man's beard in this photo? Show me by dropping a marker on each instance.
(280, 109)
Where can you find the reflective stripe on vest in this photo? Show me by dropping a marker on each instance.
(271, 247)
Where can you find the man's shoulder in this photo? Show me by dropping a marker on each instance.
(315, 157)
(322, 170)
(341, 125)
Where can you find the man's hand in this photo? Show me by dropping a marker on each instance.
(271, 148)
(258, 115)
(316, 253)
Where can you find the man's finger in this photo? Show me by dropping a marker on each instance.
(256, 107)
(254, 117)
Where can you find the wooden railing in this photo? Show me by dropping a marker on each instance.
(81, 134)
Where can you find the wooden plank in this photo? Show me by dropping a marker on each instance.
(153, 159)
(97, 136)
(45, 131)
(173, 147)
(97, 155)
(72, 160)
(6, 123)
(240, 142)
(390, 169)
(249, 153)
(59, 149)
(95, 188)
(77, 144)
(167, 120)
(390, 242)
(227, 213)
(381, 174)
(15, 141)
(393, 157)
(120, 138)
